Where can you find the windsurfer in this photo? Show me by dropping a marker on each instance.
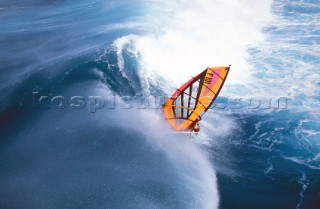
(196, 127)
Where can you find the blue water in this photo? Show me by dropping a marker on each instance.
(56, 155)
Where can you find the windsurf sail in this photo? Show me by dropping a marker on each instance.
(184, 109)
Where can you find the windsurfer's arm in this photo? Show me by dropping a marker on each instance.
(196, 128)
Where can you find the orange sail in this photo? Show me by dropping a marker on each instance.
(184, 109)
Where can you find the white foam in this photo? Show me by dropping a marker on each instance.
(302, 162)
(197, 176)
(304, 184)
(317, 157)
(189, 37)
(205, 33)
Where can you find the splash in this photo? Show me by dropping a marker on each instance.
(197, 177)
(196, 34)
(190, 36)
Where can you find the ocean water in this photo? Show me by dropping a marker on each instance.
(81, 89)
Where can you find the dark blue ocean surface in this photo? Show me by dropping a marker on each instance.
(80, 104)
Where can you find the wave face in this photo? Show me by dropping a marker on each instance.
(56, 156)
(81, 91)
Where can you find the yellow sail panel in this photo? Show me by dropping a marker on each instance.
(183, 110)
(211, 86)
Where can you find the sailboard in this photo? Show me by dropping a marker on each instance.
(185, 108)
